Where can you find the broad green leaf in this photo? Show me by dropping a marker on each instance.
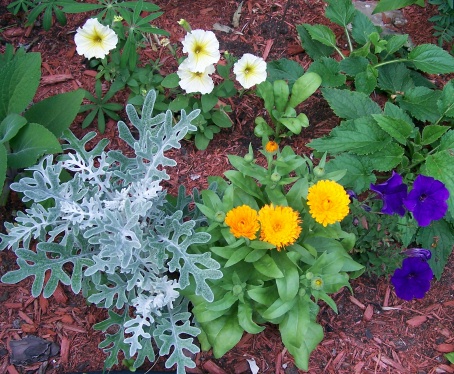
(265, 91)
(387, 158)
(288, 285)
(447, 141)
(266, 266)
(340, 12)
(350, 104)
(322, 34)
(395, 78)
(304, 87)
(440, 166)
(329, 70)
(362, 27)
(3, 163)
(221, 119)
(396, 42)
(170, 81)
(361, 136)
(223, 333)
(32, 142)
(223, 304)
(19, 80)
(386, 5)
(366, 81)
(431, 59)
(56, 113)
(311, 46)
(446, 101)
(295, 125)
(394, 111)
(285, 69)
(397, 128)
(353, 65)
(263, 295)
(278, 309)
(246, 184)
(237, 256)
(431, 133)
(438, 237)
(179, 103)
(281, 93)
(10, 126)
(421, 103)
(359, 174)
(245, 319)
(208, 102)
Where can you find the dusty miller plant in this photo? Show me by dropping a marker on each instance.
(111, 232)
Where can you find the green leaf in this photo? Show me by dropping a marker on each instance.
(447, 141)
(3, 163)
(362, 27)
(19, 80)
(304, 87)
(438, 237)
(246, 184)
(30, 143)
(340, 12)
(288, 285)
(397, 128)
(446, 101)
(245, 319)
(285, 69)
(366, 81)
(329, 70)
(295, 125)
(228, 335)
(10, 126)
(353, 65)
(431, 133)
(322, 34)
(386, 5)
(387, 158)
(359, 174)
(440, 166)
(221, 119)
(281, 93)
(421, 103)
(237, 256)
(278, 309)
(395, 78)
(431, 59)
(170, 81)
(179, 103)
(266, 266)
(396, 42)
(350, 104)
(208, 102)
(57, 112)
(312, 47)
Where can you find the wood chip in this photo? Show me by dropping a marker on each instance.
(212, 368)
(368, 313)
(27, 328)
(393, 363)
(64, 350)
(416, 321)
(266, 52)
(12, 370)
(56, 78)
(90, 73)
(445, 348)
(60, 295)
(25, 317)
(355, 301)
(445, 369)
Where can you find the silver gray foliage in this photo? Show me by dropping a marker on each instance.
(104, 226)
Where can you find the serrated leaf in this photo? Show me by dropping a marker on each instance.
(366, 81)
(431, 59)
(285, 69)
(311, 46)
(397, 128)
(431, 133)
(386, 5)
(446, 101)
(438, 238)
(350, 104)
(387, 158)
(362, 27)
(359, 174)
(421, 103)
(447, 141)
(395, 78)
(340, 12)
(322, 34)
(329, 70)
(353, 65)
(30, 143)
(396, 42)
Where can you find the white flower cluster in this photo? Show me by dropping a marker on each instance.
(202, 48)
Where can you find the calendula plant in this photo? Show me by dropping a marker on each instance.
(110, 233)
(373, 61)
(275, 231)
(28, 132)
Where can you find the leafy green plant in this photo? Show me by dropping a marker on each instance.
(443, 21)
(281, 102)
(373, 62)
(28, 132)
(101, 107)
(279, 275)
(49, 9)
(387, 5)
(128, 246)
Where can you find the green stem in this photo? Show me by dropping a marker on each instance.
(350, 45)
(390, 62)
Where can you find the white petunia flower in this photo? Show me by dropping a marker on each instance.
(250, 70)
(192, 81)
(95, 39)
(202, 48)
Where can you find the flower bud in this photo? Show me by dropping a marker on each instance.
(219, 216)
(317, 283)
(248, 157)
(275, 177)
(319, 171)
(237, 289)
(309, 275)
(185, 25)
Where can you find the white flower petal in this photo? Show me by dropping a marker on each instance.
(250, 70)
(202, 48)
(95, 39)
(192, 81)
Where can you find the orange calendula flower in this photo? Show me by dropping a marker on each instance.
(243, 222)
(280, 225)
(328, 202)
(271, 146)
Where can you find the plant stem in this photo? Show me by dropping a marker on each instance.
(390, 62)
(350, 45)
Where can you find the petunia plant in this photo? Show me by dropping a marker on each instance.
(276, 232)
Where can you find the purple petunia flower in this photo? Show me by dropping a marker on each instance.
(427, 200)
(393, 193)
(412, 280)
(425, 254)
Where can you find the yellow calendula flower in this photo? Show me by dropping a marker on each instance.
(271, 146)
(243, 222)
(328, 202)
(280, 225)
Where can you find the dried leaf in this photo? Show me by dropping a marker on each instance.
(237, 15)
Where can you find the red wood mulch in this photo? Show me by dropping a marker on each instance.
(374, 331)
